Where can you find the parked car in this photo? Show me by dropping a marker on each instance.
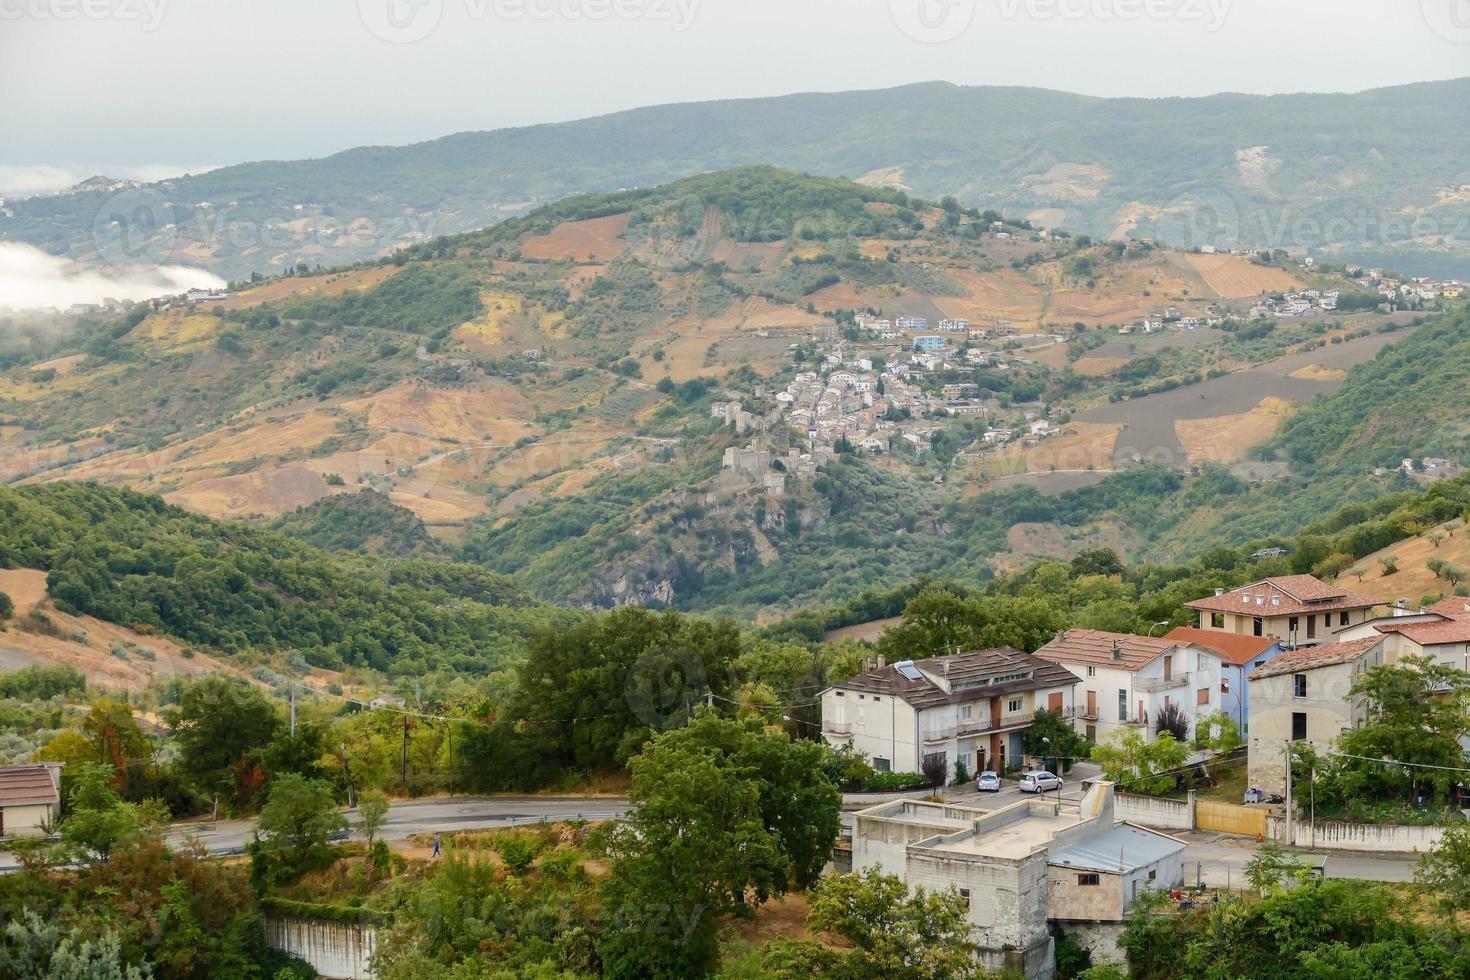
(989, 782)
(1039, 782)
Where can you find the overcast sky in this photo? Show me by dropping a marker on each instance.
(152, 86)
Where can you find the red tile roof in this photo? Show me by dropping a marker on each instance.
(1285, 596)
(1097, 648)
(921, 692)
(1455, 607)
(1232, 647)
(27, 786)
(1310, 658)
(1430, 634)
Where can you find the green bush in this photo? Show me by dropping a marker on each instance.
(516, 850)
(893, 782)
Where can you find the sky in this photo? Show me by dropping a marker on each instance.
(148, 88)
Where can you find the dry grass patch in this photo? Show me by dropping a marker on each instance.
(1318, 372)
(1226, 438)
(300, 286)
(593, 240)
(1236, 277)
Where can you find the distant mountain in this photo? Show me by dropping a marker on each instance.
(553, 398)
(1381, 176)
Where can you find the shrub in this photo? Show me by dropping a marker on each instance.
(893, 782)
(516, 850)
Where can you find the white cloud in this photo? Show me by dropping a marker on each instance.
(32, 279)
(47, 178)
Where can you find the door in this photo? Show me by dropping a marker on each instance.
(1054, 702)
(1311, 627)
(1092, 704)
(1169, 667)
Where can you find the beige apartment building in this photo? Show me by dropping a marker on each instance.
(1294, 610)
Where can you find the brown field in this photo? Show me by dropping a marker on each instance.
(496, 412)
(1005, 293)
(1317, 372)
(298, 286)
(686, 343)
(1029, 543)
(61, 365)
(25, 586)
(1081, 446)
(862, 631)
(1413, 580)
(1236, 277)
(579, 279)
(1226, 438)
(1097, 366)
(594, 240)
(269, 492)
(740, 255)
(493, 329)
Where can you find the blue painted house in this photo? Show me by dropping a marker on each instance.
(1239, 655)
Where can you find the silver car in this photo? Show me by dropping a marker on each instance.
(989, 782)
(1039, 782)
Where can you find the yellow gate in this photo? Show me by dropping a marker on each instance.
(1227, 819)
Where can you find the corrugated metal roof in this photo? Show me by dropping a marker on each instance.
(1124, 848)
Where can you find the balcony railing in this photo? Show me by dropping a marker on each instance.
(943, 734)
(837, 728)
(1163, 684)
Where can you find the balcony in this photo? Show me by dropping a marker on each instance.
(979, 726)
(837, 728)
(943, 734)
(1163, 684)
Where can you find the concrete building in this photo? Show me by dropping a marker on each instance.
(30, 797)
(1239, 656)
(1304, 695)
(971, 707)
(1296, 610)
(1440, 632)
(1003, 863)
(1127, 679)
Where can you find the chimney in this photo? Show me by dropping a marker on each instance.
(1117, 651)
(882, 661)
(1219, 592)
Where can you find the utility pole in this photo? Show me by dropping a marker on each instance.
(1288, 794)
(293, 709)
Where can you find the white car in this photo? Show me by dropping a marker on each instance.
(1039, 782)
(989, 782)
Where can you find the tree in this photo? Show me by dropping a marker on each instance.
(223, 726)
(1053, 736)
(298, 820)
(1270, 866)
(725, 816)
(1140, 766)
(7, 606)
(32, 948)
(98, 820)
(1444, 872)
(1390, 565)
(115, 738)
(1219, 732)
(1417, 710)
(893, 932)
(372, 811)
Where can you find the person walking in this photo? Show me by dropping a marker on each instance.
(436, 845)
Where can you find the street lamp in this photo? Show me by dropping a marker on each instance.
(1162, 622)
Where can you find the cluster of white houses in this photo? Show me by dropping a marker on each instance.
(974, 708)
(1280, 656)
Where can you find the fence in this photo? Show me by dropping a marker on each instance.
(1155, 812)
(1334, 835)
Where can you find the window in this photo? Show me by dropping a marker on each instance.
(1217, 621)
(1089, 880)
(1202, 696)
(862, 697)
(841, 695)
(876, 699)
(1294, 625)
(880, 765)
(1153, 876)
(1298, 685)
(1260, 627)
(965, 713)
(1343, 619)
(1013, 705)
(1224, 685)
(1091, 671)
(1122, 705)
(965, 894)
(1298, 726)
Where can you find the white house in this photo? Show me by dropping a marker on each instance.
(30, 798)
(970, 707)
(1127, 679)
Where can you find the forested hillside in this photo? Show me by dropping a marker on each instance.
(1227, 168)
(133, 560)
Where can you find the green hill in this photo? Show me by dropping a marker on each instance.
(1349, 173)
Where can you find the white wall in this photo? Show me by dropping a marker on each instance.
(882, 726)
(336, 950)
